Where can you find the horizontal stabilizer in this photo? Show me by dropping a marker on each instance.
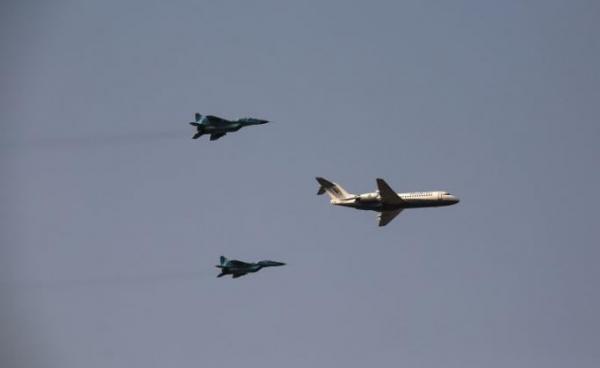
(324, 184)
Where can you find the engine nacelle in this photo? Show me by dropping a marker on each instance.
(367, 197)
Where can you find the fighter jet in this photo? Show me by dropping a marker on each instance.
(237, 268)
(385, 201)
(218, 127)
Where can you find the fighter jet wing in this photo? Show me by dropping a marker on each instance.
(388, 196)
(216, 120)
(387, 216)
(236, 275)
(215, 136)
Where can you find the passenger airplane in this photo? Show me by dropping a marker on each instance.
(385, 201)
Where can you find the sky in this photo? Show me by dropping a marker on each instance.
(113, 218)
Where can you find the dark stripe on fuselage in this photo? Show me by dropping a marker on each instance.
(378, 206)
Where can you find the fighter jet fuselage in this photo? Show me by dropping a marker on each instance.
(217, 127)
(385, 200)
(237, 268)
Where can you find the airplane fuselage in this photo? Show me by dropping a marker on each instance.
(372, 201)
(217, 127)
(244, 270)
(231, 126)
(385, 200)
(238, 268)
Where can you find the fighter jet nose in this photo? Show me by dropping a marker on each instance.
(270, 263)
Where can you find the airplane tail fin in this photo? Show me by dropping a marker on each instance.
(197, 116)
(222, 262)
(335, 191)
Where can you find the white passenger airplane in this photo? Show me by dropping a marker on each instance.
(385, 201)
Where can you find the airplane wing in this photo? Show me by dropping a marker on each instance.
(387, 216)
(388, 195)
(236, 275)
(215, 136)
(216, 120)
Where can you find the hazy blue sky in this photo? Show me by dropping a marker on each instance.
(113, 217)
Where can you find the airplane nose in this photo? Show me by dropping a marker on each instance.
(451, 198)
